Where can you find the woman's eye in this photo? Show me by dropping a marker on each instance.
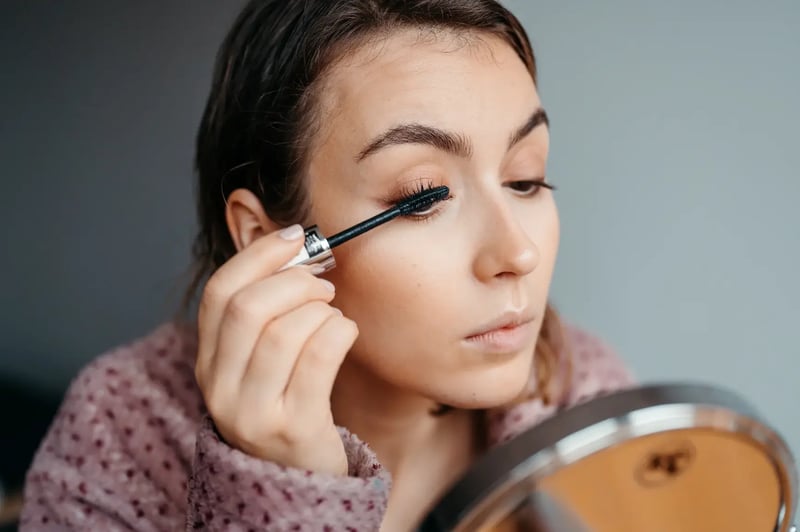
(425, 212)
(528, 187)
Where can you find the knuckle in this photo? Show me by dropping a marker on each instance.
(315, 349)
(219, 400)
(215, 405)
(246, 432)
(204, 361)
(242, 307)
(279, 340)
(211, 293)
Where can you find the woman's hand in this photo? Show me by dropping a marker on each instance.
(270, 347)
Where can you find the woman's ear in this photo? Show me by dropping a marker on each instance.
(246, 218)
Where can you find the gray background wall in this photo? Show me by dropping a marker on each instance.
(675, 146)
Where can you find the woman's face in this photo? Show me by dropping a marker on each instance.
(409, 114)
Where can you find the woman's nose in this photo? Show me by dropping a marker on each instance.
(505, 248)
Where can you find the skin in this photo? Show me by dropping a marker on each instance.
(411, 291)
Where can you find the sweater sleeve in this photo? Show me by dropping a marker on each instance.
(123, 454)
(94, 471)
(230, 490)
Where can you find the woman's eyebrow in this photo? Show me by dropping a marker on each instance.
(447, 141)
(538, 118)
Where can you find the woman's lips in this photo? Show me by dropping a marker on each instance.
(507, 335)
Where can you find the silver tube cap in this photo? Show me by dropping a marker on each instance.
(315, 252)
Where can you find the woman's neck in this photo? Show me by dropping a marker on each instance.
(399, 426)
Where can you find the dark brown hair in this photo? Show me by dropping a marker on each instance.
(264, 108)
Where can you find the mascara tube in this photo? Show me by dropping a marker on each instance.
(317, 250)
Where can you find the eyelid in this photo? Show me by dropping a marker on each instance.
(536, 183)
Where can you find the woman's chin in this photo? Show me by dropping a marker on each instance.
(490, 390)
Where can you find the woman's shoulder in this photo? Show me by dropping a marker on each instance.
(126, 428)
(141, 379)
(155, 359)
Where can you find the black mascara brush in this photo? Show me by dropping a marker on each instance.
(317, 248)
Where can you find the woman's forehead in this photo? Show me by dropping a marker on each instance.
(428, 82)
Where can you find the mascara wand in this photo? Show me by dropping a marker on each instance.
(317, 248)
(417, 202)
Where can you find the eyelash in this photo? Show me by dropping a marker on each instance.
(414, 188)
(422, 185)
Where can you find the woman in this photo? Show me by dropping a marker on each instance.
(303, 401)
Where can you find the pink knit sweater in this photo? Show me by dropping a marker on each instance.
(132, 449)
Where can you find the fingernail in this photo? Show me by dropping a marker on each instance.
(317, 269)
(293, 232)
(329, 285)
(337, 311)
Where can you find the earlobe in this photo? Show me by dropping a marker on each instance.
(246, 218)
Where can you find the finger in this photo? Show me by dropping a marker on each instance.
(250, 311)
(258, 260)
(279, 347)
(309, 390)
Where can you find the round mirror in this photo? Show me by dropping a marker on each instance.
(685, 458)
